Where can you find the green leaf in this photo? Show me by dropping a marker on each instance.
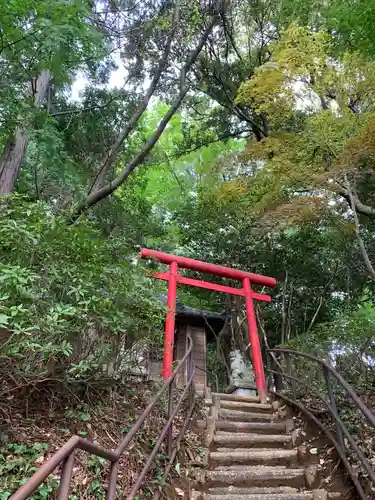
(4, 319)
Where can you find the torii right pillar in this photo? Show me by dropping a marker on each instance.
(260, 379)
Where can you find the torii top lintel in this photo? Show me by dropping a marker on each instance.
(205, 267)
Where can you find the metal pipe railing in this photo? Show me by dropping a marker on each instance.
(329, 401)
(331, 437)
(66, 454)
(348, 388)
(215, 375)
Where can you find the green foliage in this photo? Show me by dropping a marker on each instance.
(218, 202)
(351, 22)
(95, 469)
(320, 111)
(69, 298)
(351, 330)
(41, 35)
(18, 461)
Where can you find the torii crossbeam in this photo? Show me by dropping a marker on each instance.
(246, 291)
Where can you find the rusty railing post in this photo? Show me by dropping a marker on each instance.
(170, 410)
(269, 378)
(190, 368)
(290, 373)
(279, 381)
(112, 480)
(66, 475)
(331, 397)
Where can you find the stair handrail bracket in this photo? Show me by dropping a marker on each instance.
(276, 369)
(66, 454)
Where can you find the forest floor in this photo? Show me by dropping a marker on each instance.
(358, 426)
(36, 422)
(332, 475)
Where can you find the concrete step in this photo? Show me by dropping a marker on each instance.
(243, 406)
(241, 399)
(256, 476)
(253, 427)
(245, 416)
(244, 456)
(242, 439)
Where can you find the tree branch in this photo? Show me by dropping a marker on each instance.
(230, 36)
(128, 128)
(212, 141)
(23, 37)
(257, 131)
(84, 110)
(351, 198)
(103, 192)
(361, 243)
(312, 322)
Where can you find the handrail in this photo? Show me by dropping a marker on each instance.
(65, 455)
(358, 402)
(330, 403)
(215, 375)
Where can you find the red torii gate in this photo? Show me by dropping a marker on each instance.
(246, 291)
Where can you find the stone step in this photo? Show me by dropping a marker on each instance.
(242, 405)
(256, 476)
(245, 416)
(242, 439)
(246, 467)
(280, 493)
(235, 490)
(242, 399)
(244, 456)
(258, 427)
(308, 495)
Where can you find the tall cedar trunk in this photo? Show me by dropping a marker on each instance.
(16, 146)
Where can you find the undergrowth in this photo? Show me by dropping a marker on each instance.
(40, 422)
(72, 303)
(347, 343)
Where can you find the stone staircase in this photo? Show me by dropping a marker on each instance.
(252, 454)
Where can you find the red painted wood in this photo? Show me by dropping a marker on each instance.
(211, 286)
(160, 276)
(261, 296)
(260, 379)
(170, 321)
(201, 284)
(205, 267)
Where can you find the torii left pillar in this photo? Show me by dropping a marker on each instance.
(170, 321)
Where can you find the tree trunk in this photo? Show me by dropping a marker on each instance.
(15, 149)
